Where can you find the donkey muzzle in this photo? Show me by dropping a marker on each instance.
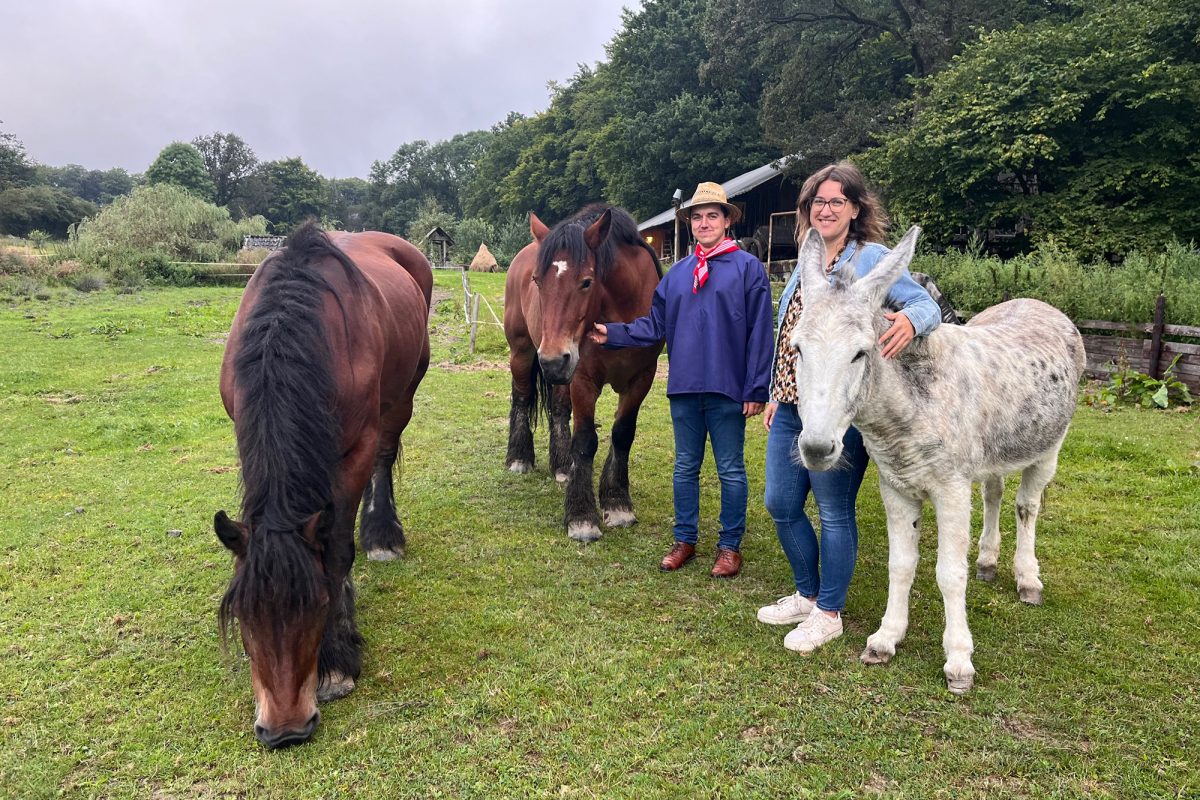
(818, 452)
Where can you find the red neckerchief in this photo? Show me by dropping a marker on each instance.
(700, 275)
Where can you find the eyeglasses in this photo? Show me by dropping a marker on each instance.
(835, 204)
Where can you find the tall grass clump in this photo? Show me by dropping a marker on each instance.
(1123, 292)
(136, 237)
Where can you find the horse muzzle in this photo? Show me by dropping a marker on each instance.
(287, 735)
(559, 368)
(818, 452)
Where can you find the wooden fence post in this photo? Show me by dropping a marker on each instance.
(1156, 334)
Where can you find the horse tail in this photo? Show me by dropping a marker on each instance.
(287, 428)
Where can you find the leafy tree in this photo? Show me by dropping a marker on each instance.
(418, 172)
(481, 192)
(1082, 130)
(182, 165)
(96, 186)
(163, 219)
(229, 161)
(293, 193)
(347, 202)
(469, 233)
(28, 208)
(829, 75)
(15, 167)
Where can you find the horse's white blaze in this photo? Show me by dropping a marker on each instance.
(965, 404)
(562, 267)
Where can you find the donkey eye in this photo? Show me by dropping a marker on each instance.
(587, 283)
(859, 356)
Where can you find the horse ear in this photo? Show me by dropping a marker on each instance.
(537, 227)
(231, 533)
(598, 230)
(876, 283)
(811, 263)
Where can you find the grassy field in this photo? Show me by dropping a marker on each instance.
(504, 660)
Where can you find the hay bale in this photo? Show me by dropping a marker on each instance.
(484, 261)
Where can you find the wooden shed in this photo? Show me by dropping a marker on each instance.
(438, 244)
(767, 198)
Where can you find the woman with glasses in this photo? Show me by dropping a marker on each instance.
(836, 202)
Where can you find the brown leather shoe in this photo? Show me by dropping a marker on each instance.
(728, 563)
(679, 554)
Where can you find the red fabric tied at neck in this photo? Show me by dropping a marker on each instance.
(700, 275)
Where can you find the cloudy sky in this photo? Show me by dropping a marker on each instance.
(109, 83)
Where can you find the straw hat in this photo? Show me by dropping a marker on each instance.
(707, 194)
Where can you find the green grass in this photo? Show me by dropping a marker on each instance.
(504, 660)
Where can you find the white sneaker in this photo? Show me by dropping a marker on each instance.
(786, 610)
(815, 631)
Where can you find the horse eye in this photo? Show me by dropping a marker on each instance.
(859, 356)
(587, 283)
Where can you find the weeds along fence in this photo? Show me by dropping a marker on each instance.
(1150, 348)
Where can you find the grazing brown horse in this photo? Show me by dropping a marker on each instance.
(593, 266)
(328, 346)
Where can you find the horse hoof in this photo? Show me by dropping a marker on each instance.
(619, 518)
(873, 655)
(561, 477)
(960, 685)
(583, 531)
(986, 573)
(520, 467)
(385, 554)
(1031, 595)
(336, 686)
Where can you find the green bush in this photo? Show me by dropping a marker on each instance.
(1124, 292)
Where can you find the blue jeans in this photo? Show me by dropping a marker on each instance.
(822, 571)
(696, 417)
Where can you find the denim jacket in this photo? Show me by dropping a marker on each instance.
(906, 295)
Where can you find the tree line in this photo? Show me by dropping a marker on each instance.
(1006, 123)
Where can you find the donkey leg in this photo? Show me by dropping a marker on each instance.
(379, 529)
(520, 457)
(1029, 502)
(992, 490)
(904, 531)
(953, 506)
(560, 432)
(582, 518)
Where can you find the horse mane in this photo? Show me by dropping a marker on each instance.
(287, 429)
(567, 237)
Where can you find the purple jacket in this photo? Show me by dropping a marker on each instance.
(719, 339)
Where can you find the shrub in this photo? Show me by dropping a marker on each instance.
(88, 282)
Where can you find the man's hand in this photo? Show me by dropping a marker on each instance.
(600, 334)
(897, 337)
(751, 409)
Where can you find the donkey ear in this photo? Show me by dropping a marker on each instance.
(811, 263)
(597, 232)
(876, 283)
(231, 533)
(537, 227)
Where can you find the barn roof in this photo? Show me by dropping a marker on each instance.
(733, 187)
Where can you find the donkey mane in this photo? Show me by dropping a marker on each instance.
(287, 432)
(567, 237)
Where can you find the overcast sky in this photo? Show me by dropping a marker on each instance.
(109, 83)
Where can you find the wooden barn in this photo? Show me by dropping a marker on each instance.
(767, 198)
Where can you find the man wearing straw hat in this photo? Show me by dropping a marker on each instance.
(714, 309)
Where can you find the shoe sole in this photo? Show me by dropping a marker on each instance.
(814, 648)
(788, 621)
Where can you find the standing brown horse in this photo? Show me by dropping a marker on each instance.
(328, 346)
(593, 266)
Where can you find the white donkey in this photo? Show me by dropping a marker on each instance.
(966, 404)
